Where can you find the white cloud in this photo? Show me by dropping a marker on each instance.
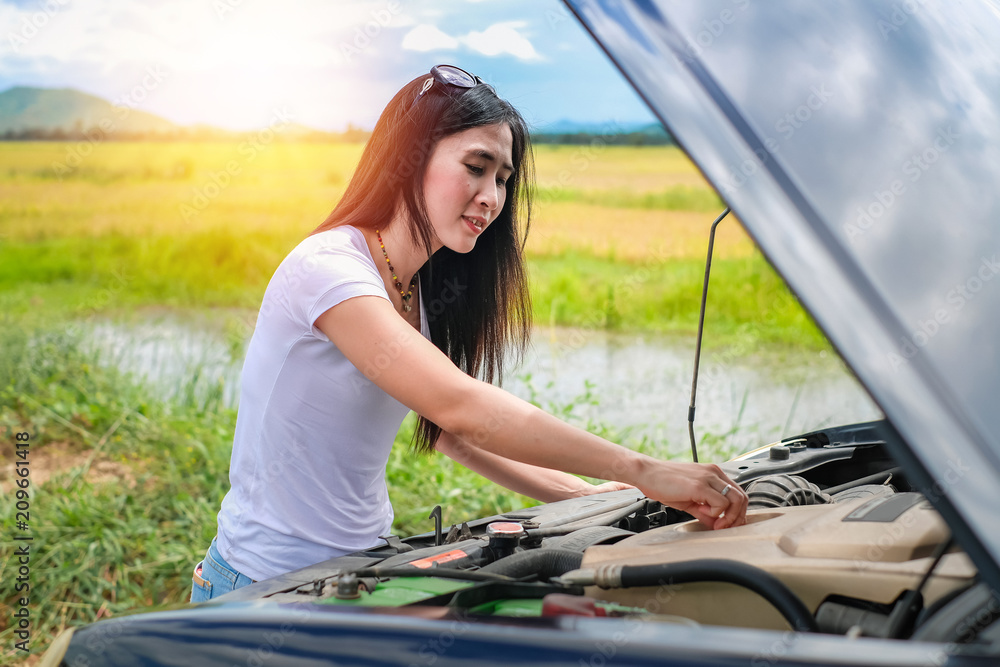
(227, 62)
(231, 62)
(426, 37)
(187, 34)
(502, 38)
(497, 40)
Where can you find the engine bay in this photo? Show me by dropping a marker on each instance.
(863, 551)
(837, 541)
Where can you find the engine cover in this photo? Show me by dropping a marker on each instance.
(867, 549)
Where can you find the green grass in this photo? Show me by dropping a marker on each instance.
(748, 304)
(111, 235)
(103, 548)
(673, 198)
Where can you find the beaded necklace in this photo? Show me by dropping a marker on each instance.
(399, 286)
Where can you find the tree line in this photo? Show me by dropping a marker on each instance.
(351, 135)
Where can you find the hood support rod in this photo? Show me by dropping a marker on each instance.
(701, 328)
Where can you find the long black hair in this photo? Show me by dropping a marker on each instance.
(478, 307)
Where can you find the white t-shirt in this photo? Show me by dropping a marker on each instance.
(313, 434)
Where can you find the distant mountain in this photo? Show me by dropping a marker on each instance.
(68, 114)
(611, 133)
(70, 111)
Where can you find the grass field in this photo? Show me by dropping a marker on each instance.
(204, 225)
(127, 484)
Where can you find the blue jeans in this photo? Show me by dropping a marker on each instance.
(213, 577)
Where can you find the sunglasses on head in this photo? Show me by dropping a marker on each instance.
(449, 75)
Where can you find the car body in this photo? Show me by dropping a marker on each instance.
(859, 143)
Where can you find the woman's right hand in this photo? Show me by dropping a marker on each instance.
(695, 488)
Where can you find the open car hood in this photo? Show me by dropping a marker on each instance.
(859, 144)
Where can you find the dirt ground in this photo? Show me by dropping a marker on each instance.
(57, 459)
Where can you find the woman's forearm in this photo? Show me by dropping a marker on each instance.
(499, 422)
(502, 424)
(408, 367)
(542, 484)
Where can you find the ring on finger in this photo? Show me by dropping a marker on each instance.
(729, 487)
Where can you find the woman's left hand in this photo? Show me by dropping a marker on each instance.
(605, 488)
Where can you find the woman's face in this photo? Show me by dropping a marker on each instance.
(465, 184)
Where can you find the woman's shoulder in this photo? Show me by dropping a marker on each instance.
(331, 245)
(334, 254)
(322, 268)
(343, 237)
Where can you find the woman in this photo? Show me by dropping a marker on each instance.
(412, 287)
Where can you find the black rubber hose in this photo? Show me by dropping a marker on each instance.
(609, 518)
(877, 478)
(546, 563)
(757, 580)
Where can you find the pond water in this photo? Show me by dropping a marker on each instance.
(643, 383)
(637, 386)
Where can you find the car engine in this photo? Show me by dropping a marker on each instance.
(837, 541)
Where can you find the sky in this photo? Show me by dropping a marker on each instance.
(325, 63)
